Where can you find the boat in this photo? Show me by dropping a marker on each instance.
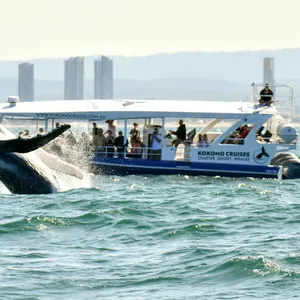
(265, 152)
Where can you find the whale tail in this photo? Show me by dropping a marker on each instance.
(263, 153)
(20, 145)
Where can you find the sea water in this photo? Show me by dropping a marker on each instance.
(152, 237)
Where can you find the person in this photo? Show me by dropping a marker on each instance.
(119, 143)
(112, 127)
(156, 145)
(26, 134)
(70, 139)
(180, 133)
(134, 134)
(100, 141)
(109, 144)
(244, 131)
(94, 134)
(57, 125)
(266, 95)
(41, 132)
(137, 148)
(206, 142)
(84, 142)
(200, 140)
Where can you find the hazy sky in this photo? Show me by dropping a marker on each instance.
(49, 28)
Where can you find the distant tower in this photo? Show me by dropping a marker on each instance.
(74, 78)
(269, 71)
(103, 78)
(26, 82)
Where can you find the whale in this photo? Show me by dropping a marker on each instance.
(27, 169)
(290, 165)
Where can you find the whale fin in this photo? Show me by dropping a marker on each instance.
(20, 145)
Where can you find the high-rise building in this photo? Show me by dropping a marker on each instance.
(103, 78)
(74, 78)
(269, 70)
(26, 82)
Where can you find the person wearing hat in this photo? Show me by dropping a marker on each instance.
(266, 95)
(119, 143)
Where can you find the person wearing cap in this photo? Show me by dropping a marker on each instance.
(134, 134)
(119, 143)
(266, 95)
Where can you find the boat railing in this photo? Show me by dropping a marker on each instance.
(128, 152)
(180, 153)
(283, 97)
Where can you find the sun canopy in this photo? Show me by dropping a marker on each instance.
(121, 109)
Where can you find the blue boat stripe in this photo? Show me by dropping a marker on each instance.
(188, 169)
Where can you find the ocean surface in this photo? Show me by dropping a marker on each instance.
(152, 237)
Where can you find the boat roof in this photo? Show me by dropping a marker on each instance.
(130, 109)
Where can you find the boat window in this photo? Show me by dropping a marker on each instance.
(238, 136)
(263, 135)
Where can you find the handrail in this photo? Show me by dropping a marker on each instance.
(286, 105)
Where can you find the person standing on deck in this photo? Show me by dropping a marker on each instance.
(112, 127)
(180, 133)
(156, 145)
(134, 133)
(119, 143)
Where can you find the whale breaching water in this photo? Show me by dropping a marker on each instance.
(25, 168)
(290, 165)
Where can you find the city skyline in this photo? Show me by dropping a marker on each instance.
(138, 28)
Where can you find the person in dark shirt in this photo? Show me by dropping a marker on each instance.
(109, 144)
(266, 95)
(180, 133)
(119, 143)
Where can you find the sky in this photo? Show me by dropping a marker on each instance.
(60, 28)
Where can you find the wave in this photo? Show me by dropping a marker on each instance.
(252, 266)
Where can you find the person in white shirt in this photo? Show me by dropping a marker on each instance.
(206, 142)
(202, 140)
(156, 145)
(111, 127)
